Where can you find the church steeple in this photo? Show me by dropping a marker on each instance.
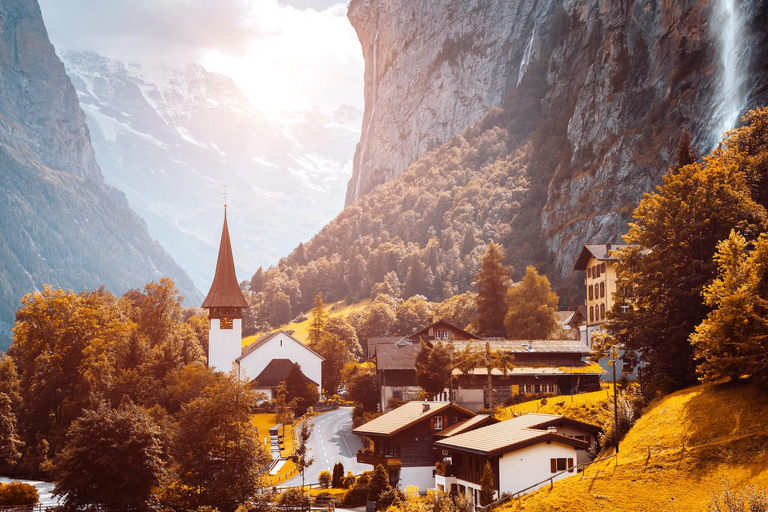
(225, 304)
(225, 291)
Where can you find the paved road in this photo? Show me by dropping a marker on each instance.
(332, 441)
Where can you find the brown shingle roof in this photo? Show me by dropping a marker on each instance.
(397, 357)
(509, 435)
(225, 291)
(276, 372)
(466, 425)
(601, 252)
(403, 417)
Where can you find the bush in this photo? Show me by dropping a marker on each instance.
(746, 499)
(348, 481)
(294, 496)
(324, 479)
(357, 494)
(17, 494)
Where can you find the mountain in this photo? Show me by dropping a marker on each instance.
(614, 83)
(60, 224)
(535, 124)
(171, 139)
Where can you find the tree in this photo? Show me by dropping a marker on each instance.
(458, 309)
(283, 413)
(340, 327)
(362, 385)
(303, 460)
(412, 313)
(319, 319)
(378, 321)
(301, 393)
(433, 367)
(379, 483)
(336, 356)
(487, 485)
(685, 153)
(338, 475)
(113, 459)
(492, 279)
(662, 273)
(219, 457)
(532, 307)
(733, 340)
(495, 358)
(10, 443)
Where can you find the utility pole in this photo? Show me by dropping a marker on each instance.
(614, 357)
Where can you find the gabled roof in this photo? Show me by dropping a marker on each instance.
(601, 252)
(421, 333)
(225, 290)
(404, 416)
(510, 435)
(246, 350)
(276, 372)
(395, 356)
(466, 425)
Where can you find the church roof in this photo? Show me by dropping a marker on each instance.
(225, 291)
(276, 372)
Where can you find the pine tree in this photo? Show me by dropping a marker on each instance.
(433, 368)
(685, 153)
(487, 485)
(379, 483)
(532, 307)
(319, 319)
(492, 280)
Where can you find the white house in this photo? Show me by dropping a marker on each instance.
(522, 451)
(267, 361)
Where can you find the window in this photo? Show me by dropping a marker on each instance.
(602, 311)
(591, 313)
(438, 423)
(589, 273)
(455, 419)
(590, 292)
(441, 334)
(526, 388)
(557, 465)
(596, 273)
(602, 268)
(602, 289)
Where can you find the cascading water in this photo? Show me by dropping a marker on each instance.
(527, 54)
(730, 20)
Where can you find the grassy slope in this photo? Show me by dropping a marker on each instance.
(264, 422)
(301, 329)
(680, 452)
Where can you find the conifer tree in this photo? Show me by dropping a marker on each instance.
(492, 280)
(532, 307)
(379, 483)
(487, 485)
(319, 319)
(433, 367)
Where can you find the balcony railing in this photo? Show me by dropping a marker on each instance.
(374, 459)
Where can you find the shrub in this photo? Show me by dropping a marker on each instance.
(324, 479)
(348, 481)
(17, 494)
(357, 494)
(294, 496)
(746, 499)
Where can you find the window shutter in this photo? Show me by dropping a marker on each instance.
(553, 465)
(570, 465)
(432, 423)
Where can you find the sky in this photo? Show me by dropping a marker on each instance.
(283, 54)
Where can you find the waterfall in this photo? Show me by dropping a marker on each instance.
(730, 21)
(527, 54)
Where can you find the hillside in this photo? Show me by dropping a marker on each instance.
(61, 225)
(678, 453)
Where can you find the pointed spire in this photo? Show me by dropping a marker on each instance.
(225, 291)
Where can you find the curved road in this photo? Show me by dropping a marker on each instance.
(332, 441)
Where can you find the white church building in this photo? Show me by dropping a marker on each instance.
(267, 361)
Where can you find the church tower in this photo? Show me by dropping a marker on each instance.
(225, 304)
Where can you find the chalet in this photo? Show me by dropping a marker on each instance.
(435, 331)
(599, 262)
(522, 452)
(402, 440)
(267, 361)
(541, 368)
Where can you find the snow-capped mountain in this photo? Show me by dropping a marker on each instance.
(171, 140)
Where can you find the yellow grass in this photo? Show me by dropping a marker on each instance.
(264, 422)
(679, 452)
(579, 407)
(301, 329)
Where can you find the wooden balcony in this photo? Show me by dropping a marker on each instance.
(374, 459)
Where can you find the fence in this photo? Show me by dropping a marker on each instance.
(29, 508)
(550, 480)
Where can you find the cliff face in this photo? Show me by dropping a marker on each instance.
(600, 91)
(59, 223)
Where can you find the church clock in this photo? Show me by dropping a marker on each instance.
(225, 322)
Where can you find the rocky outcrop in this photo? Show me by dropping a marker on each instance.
(59, 223)
(599, 89)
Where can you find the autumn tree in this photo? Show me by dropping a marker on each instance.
(113, 459)
(458, 310)
(732, 340)
(344, 330)
(492, 280)
(218, 454)
(433, 367)
(336, 356)
(487, 485)
(379, 483)
(362, 385)
(319, 319)
(412, 313)
(303, 459)
(669, 261)
(301, 393)
(532, 307)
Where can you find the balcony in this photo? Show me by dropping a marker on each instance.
(374, 459)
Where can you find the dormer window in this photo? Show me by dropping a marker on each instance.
(441, 334)
(438, 423)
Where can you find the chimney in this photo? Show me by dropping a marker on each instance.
(431, 320)
(426, 407)
(607, 248)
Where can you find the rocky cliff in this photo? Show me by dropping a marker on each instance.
(598, 91)
(59, 223)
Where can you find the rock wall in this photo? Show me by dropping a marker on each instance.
(615, 82)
